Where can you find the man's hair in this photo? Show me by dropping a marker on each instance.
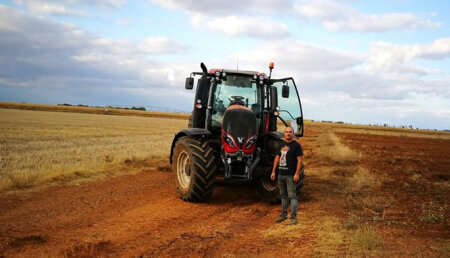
(289, 127)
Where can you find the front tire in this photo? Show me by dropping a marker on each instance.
(194, 169)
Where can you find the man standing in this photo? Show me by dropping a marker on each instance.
(289, 161)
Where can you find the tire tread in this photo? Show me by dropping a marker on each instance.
(203, 172)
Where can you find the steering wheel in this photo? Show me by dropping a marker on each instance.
(236, 100)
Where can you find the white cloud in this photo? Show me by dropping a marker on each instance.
(173, 75)
(338, 85)
(51, 8)
(33, 48)
(335, 17)
(226, 8)
(389, 57)
(107, 52)
(242, 26)
(41, 59)
(66, 7)
(105, 3)
(44, 61)
(298, 56)
(160, 45)
(234, 18)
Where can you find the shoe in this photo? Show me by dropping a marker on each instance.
(293, 222)
(280, 219)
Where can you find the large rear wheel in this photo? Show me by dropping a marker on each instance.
(194, 169)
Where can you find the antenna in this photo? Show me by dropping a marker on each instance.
(237, 65)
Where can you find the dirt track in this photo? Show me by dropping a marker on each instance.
(132, 216)
(141, 215)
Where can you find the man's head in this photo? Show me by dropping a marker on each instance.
(288, 133)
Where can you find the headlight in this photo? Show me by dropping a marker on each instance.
(229, 140)
(261, 77)
(217, 73)
(250, 142)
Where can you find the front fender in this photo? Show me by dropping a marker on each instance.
(187, 132)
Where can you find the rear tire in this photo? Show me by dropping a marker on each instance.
(194, 169)
(269, 189)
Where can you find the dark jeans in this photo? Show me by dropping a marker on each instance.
(288, 192)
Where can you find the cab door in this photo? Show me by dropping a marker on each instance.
(290, 107)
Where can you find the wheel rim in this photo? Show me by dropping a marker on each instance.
(269, 185)
(183, 170)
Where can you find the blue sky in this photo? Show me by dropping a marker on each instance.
(353, 61)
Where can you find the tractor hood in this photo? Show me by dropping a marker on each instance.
(239, 129)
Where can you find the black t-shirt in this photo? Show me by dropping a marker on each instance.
(288, 153)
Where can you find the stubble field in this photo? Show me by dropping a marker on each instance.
(43, 146)
(98, 185)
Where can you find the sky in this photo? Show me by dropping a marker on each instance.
(368, 62)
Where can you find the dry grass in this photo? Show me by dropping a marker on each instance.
(281, 230)
(331, 237)
(338, 152)
(433, 213)
(363, 179)
(38, 147)
(367, 240)
(331, 151)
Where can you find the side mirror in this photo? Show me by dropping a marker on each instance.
(300, 127)
(285, 91)
(273, 98)
(189, 83)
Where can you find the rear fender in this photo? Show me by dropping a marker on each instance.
(201, 132)
(269, 143)
(264, 139)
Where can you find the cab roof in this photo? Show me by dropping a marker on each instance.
(213, 70)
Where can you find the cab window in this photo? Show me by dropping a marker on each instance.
(235, 90)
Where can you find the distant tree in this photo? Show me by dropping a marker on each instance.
(139, 108)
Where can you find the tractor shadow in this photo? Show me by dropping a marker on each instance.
(237, 193)
(247, 193)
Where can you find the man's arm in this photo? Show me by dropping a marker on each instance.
(297, 171)
(275, 165)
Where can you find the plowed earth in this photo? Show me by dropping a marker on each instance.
(141, 214)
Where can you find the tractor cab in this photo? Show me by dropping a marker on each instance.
(237, 89)
(235, 119)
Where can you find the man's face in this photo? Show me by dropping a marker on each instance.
(288, 133)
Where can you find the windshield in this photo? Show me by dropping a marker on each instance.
(237, 89)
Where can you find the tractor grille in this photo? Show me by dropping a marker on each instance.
(238, 168)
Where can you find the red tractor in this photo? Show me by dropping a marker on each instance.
(233, 131)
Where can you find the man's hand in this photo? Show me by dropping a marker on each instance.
(275, 165)
(297, 171)
(296, 178)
